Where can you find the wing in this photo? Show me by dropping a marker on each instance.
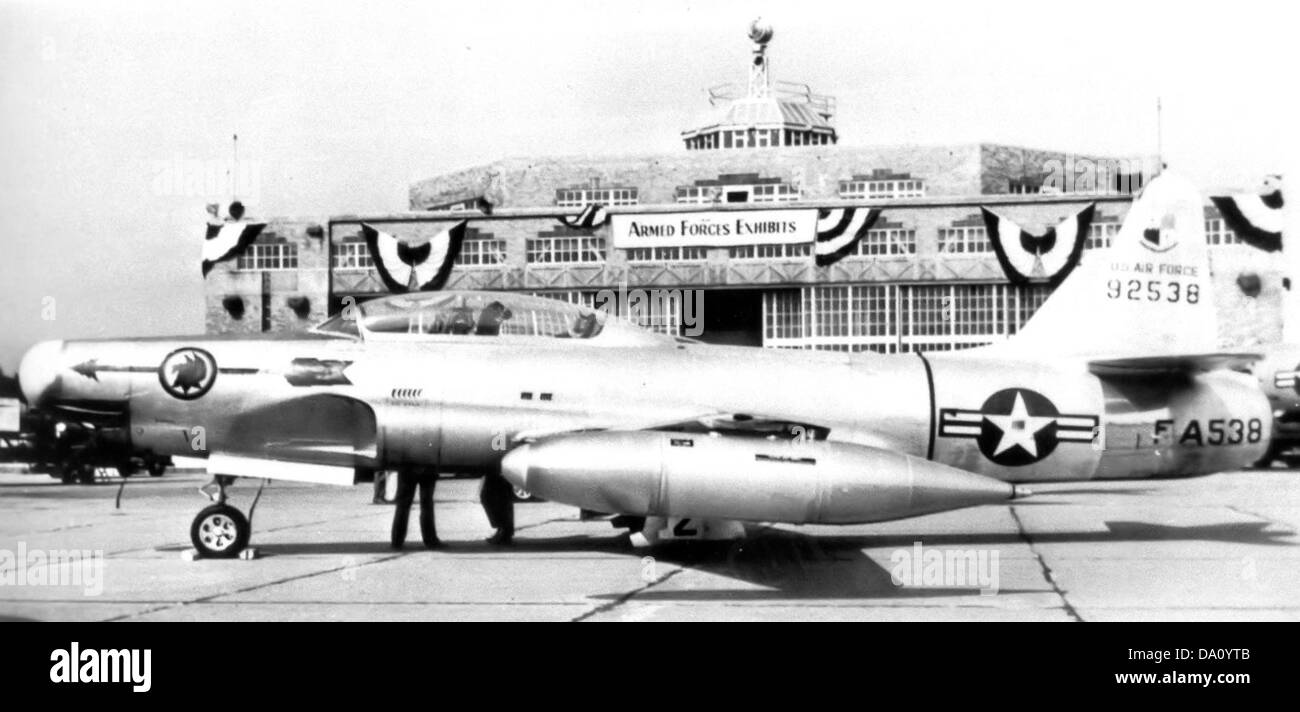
(1257, 219)
(319, 438)
(386, 251)
(839, 230)
(225, 241)
(1171, 364)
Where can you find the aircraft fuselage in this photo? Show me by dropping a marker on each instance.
(462, 403)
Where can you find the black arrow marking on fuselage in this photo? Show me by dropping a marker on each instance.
(92, 368)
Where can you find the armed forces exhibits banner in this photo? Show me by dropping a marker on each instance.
(833, 232)
(713, 229)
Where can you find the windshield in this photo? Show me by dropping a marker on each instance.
(342, 324)
(478, 314)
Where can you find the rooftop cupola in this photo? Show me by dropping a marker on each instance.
(768, 114)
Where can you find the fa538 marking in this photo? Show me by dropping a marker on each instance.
(1216, 431)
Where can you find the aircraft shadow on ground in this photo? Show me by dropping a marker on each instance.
(793, 566)
(783, 565)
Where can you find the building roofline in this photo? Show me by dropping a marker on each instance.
(973, 202)
(837, 147)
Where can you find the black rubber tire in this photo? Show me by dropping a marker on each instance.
(219, 532)
(67, 473)
(156, 468)
(85, 474)
(521, 495)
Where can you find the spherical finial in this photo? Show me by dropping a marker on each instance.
(760, 32)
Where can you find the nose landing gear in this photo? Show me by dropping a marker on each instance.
(220, 531)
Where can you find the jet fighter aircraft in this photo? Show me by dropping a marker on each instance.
(1116, 376)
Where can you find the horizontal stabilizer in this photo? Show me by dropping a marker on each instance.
(1170, 364)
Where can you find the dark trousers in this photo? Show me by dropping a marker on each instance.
(407, 480)
(497, 498)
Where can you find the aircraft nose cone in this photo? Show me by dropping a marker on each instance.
(514, 466)
(38, 372)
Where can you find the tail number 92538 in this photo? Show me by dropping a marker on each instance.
(1153, 290)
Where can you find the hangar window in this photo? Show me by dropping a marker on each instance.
(882, 184)
(888, 241)
(565, 250)
(698, 195)
(1217, 233)
(1024, 186)
(775, 193)
(893, 318)
(351, 256)
(737, 188)
(482, 252)
(269, 256)
(961, 240)
(770, 251)
(581, 197)
(1100, 234)
(667, 254)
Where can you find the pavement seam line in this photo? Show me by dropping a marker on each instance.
(607, 607)
(1042, 564)
(211, 598)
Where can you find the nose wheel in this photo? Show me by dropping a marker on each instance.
(220, 532)
(520, 494)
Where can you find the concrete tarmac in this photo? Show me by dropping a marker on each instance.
(1223, 547)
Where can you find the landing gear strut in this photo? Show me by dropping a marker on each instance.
(219, 531)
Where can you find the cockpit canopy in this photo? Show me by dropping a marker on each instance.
(473, 314)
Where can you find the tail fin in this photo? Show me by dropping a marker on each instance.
(1150, 294)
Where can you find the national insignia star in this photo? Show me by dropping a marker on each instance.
(1019, 427)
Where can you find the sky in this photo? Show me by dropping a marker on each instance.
(116, 119)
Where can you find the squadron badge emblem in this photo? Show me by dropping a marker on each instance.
(187, 373)
(1017, 427)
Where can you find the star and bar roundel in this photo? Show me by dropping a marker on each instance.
(1288, 379)
(1016, 427)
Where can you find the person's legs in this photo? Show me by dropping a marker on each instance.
(402, 507)
(496, 497)
(428, 480)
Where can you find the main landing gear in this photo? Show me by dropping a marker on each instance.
(220, 531)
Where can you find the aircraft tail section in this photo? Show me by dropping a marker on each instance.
(1149, 294)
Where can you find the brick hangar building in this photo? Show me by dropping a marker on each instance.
(924, 277)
